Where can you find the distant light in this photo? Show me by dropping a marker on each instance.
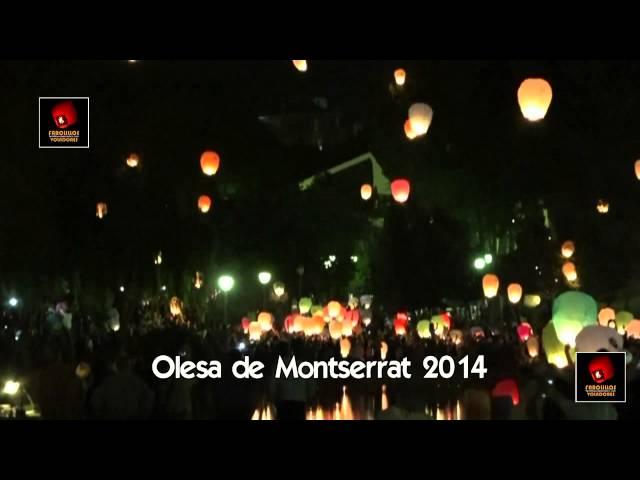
(11, 387)
(536, 267)
(549, 237)
(158, 259)
(488, 258)
(555, 280)
(241, 346)
(163, 288)
(264, 277)
(226, 282)
(513, 220)
(550, 381)
(332, 258)
(121, 288)
(132, 61)
(13, 301)
(354, 258)
(479, 263)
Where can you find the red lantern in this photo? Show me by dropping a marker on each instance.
(400, 189)
(288, 323)
(446, 320)
(209, 162)
(204, 203)
(601, 369)
(64, 114)
(524, 331)
(245, 324)
(400, 323)
(507, 388)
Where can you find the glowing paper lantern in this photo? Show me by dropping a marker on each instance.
(440, 322)
(596, 337)
(532, 301)
(133, 160)
(606, 314)
(568, 249)
(83, 370)
(335, 329)
(514, 292)
(636, 167)
(400, 76)
(524, 331)
(278, 289)
(255, 331)
(456, 336)
(602, 206)
(288, 323)
(204, 203)
(622, 320)
(175, 306)
(366, 301)
(301, 65)
(298, 324)
(569, 271)
(308, 326)
(534, 97)
(553, 348)
(347, 327)
(400, 189)
(318, 324)
(334, 308)
(101, 210)
(408, 131)
(384, 349)
(507, 388)
(420, 116)
(265, 320)
(365, 191)
(304, 305)
(633, 329)
(400, 327)
(423, 329)
(490, 285)
(477, 332)
(209, 162)
(533, 347)
(316, 309)
(198, 281)
(244, 323)
(571, 312)
(345, 347)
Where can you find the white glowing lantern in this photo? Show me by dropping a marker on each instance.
(420, 116)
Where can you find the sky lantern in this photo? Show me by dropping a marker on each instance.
(514, 292)
(255, 331)
(400, 76)
(400, 189)
(636, 167)
(440, 322)
(400, 326)
(384, 349)
(572, 311)
(477, 332)
(533, 346)
(198, 280)
(334, 308)
(298, 324)
(318, 324)
(602, 207)
(304, 305)
(244, 323)
(524, 331)
(301, 65)
(316, 310)
(175, 306)
(209, 162)
(133, 160)
(569, 271)
(423, 329)
(456, 336)
(335, 329)
(605, 314)
(532, 300)
(596, 337)
(365, 191)
(288, 323)
(278, 289)
(534, 97)
(553, 347)
(204, 203)
(408, 131)
(420, 116)
(308, 326)
(568, 249)
(622, 320)
(507, 388)
(345, 347)
(347, 327)
(490, 285)
(265, 319)
(101, 210)
(633, 329)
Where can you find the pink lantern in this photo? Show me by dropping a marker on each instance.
(507, 388)
(524, 331)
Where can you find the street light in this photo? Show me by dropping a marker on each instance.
(225, 283)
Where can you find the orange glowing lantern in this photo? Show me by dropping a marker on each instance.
(209, 162)
(525, 331)
(365, 191)
(318, 324)
(606, 314)
(244, 323)
(101, 210)
(384, 349)
(533, 346)
(569, 271)
(408, 131)
(298, 324)
(334, 308)
(534, 97)
(507, 388)
(420, 115)
(255, 331)
(602, 207)
(637, 169)
(301, 65)
(456, 336)
(490, 285)
(204, 203)
(633, 329)
(265, 320)
(335, 329)
(345, 347)
(400, 76)
(568, 249)
(198, 281)
(175, 306)
(514, 292)
(133, 160)
(347, 327)
(400, 189)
